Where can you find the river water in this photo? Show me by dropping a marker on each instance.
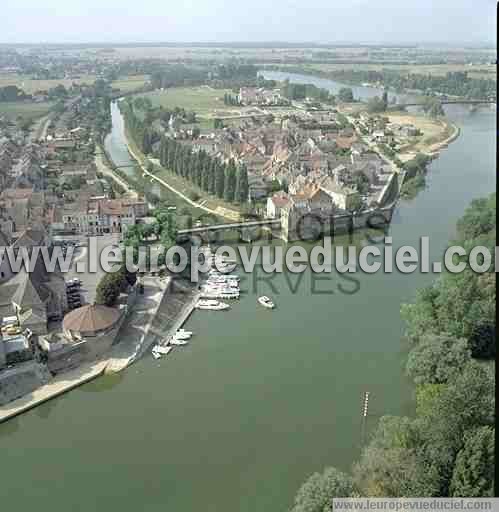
(259, 399)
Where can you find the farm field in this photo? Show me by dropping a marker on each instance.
(27, 110)
(130, 83)
(30, 85)
(479, 71)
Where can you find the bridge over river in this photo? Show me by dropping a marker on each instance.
(243, 227)
(444, 102)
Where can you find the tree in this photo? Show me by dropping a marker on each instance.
(230, 182)
(212, 177)
(465, 403)
(220, 180)
(375, 105)
(390, 464)
(109, 289)
(345, 95)
(384, 99)
(478, 219)
(436, 359)
(316, 493)
(473, 475)
(242, 187)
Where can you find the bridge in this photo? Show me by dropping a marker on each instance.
(444, 102)
(228, 226)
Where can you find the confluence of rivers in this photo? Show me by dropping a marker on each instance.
(259, 400)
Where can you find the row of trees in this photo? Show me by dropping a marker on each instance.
(224, 180)
(457, 83)
(12, 93)
(230, 100)
(447, 449)
(293, 91)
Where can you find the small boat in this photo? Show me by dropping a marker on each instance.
(178, 341)
(186, 335)
(266, 302)
(155, 354)
(219, 295)
(213, 305)
(158, 349)
(225, 268)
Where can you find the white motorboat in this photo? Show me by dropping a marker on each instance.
(155, 354)
(213, 305)
(186, 335)
(162, 350)
(225, 268)
(266, 302)
(213, 294)
(220, 286)
(178, 342)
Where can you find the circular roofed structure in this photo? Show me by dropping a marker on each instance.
(90, 320)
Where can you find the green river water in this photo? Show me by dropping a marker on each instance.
(259, 399)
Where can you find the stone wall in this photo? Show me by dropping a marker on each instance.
(21, 380)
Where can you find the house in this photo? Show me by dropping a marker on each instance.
(33, 296)
(343, 196)
(248, 95)
(257, 187)
(275, 204)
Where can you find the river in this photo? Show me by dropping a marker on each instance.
(259, 399)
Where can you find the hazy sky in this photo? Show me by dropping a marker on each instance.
(248, 20)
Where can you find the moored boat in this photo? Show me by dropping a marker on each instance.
(266, 302)
(213, 305)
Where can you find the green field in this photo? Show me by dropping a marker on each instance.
(30, 86)
(130, 83)
(201, 100)
(26, 110)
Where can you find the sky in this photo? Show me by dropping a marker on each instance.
(320, 21)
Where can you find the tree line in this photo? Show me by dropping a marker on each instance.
(447, 449)
(224, 180)
(293, 91)
(457, 83)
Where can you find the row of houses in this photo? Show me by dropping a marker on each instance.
(99, 215)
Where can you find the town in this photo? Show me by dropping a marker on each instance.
(246, 255)
(225, 141)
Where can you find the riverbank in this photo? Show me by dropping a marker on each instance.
(437, 134)
(102, 163)
(56, 387)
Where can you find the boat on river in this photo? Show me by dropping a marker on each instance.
(179, 342)
(266, 302)
(212, 305)
(158, 351)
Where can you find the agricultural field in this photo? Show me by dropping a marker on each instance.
(130, 83)
(30, 85)
(202, 100)
(478, 71)
(28, 110)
